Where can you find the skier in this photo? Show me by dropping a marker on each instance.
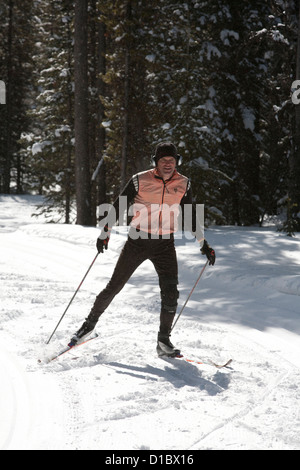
(157, 196)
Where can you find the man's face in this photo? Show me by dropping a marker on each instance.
(166, 167)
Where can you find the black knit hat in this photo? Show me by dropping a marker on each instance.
(165, 149)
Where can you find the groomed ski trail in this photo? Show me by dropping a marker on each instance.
(118, 394)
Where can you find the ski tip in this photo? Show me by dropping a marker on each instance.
(221, 366)
(227, 363)
(70, 346)
(44, 361)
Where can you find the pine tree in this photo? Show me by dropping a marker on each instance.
(50, 146)
(16, 68)
(97, 137)
(82, 162)
(51, 149)
(294, 161)
(179, 84)
(126, 100)
(212, 76)
(280, 183)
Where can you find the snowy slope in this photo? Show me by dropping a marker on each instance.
(114, 393)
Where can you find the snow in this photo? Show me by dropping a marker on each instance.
(150, 57)
(226, 33)
(114, 393)
(37, 148)
(248, 117)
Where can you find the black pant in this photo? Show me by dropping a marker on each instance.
(162, 253)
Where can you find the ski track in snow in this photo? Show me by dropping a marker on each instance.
(114, 393)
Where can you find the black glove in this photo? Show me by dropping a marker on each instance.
(102, 241)
(209, 252)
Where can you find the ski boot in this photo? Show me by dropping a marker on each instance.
(83, 332)
(165, 347)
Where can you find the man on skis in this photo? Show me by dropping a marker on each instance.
(157, 195)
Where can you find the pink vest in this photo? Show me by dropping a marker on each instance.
(157, 204)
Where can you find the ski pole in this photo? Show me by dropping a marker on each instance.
(90, 267)
(183, 307)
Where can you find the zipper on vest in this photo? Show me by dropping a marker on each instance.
(161, 204)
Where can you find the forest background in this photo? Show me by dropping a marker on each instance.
(92, 86)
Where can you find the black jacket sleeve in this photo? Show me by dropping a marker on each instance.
(119, 209)
(192, 215)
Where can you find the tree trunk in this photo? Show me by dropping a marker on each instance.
(126, 107)
(295, 161)
(9, 149)
(97, 132)
(293, 219)
(101, 138)
(82, 167)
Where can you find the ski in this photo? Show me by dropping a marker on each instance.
(218, 366)
(67, 349)
(208, 362)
